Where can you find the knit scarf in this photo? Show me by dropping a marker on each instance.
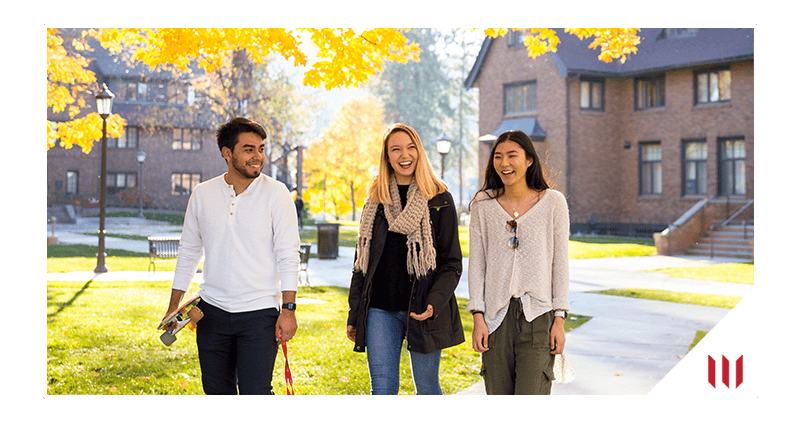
(414, 221)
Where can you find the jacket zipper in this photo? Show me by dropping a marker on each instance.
(408, 311)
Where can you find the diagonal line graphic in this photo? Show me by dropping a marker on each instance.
(779, 376)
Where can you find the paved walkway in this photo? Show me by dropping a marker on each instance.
(627, 347)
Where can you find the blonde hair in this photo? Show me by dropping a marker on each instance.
(429, 185)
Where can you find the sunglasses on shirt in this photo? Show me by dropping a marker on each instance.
(511, 226)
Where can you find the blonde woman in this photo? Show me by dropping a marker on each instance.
(407, 267)
(518, 271)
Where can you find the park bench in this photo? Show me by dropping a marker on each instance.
(167, 248)
(162, 248)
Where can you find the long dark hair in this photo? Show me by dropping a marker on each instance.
(534, 176)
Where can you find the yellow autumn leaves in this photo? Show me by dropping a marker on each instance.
(344, 58)
(614, 43)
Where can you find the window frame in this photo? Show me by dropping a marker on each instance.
(194, 140)
(130, 131)
(698, 163)
(516, 38)
(653, 165)
(188, 190)
(114, 188)
(67, 183)
(509, 86)
(709, 71)
(640, 104)
(592, 81)
(735, 161)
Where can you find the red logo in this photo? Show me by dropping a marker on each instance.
(712, 371)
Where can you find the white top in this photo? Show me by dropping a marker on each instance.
(537, 271)
(250, 240)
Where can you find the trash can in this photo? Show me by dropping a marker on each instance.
(327, 241)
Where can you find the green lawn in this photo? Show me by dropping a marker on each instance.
(172, 219)
(698, 336)
(598, 247)
(67, 258)
(102, 339)
(738, 273)
(712, 300)
(81, 258)
(124, 236)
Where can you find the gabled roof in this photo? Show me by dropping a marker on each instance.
(657, 52)
(116, 67)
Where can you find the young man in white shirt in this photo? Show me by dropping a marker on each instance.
(246, 225)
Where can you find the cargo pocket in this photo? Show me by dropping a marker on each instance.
(548, 372)
(540, 330)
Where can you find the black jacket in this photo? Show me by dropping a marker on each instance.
(437, 288)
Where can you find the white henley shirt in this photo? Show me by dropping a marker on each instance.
(250, 241)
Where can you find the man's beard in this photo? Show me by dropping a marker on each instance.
(244, 170)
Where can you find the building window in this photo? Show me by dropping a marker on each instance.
(158, 92)
(128, 140)
(712, 86)
(176, 93)
(676, 33)
(592, 93)
(649, 92)
(732, 169)
(184, 183)
(695, 157)
(187, 139)
(72, 182)
(649, 168)
(517, 38)
(519, 98)
(116, 182)
(130, 91)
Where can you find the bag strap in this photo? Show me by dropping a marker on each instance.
(287, 372)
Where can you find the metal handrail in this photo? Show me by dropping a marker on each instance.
(727, 221)
(739, 212)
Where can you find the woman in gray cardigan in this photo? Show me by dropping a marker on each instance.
(519, 270)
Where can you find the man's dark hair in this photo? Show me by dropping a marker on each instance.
(228, 133)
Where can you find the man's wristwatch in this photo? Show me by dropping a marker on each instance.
(561, 313)
(289, 306)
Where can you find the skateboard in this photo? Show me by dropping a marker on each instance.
(186, 314)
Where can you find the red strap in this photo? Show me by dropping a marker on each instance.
(286, 371)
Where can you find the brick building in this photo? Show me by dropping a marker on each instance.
(165, 119)
(634, 145)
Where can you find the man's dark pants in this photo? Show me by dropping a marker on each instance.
(236, 349)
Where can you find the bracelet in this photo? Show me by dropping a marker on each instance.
(476, 312)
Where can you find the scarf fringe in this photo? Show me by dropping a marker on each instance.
(414, 221)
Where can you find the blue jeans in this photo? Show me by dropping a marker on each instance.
(236, 350)
(385, 330)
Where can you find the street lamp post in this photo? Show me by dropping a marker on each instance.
(140, 157)
(443, 146)
(104, 101)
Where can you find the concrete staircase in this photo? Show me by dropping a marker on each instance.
(726, 241)
(64, 214)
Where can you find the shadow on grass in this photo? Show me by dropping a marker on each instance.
(68, 303)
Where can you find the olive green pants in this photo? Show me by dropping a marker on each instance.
(518, 361)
